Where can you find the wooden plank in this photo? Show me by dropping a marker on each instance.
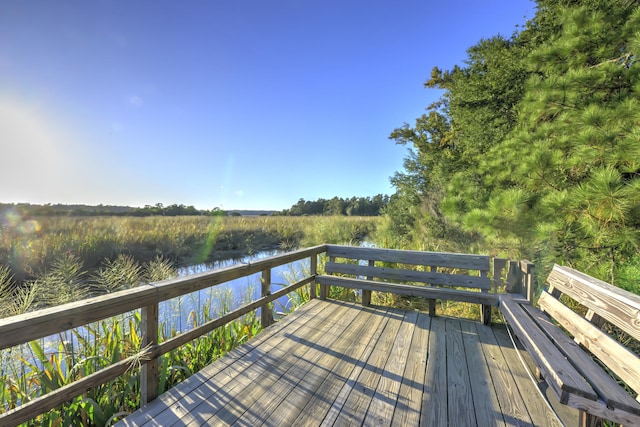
(485, 310)
(511, 401)
(330, 395)
(266, 311)
(418, 291)
(355, 407)
(208, 387)
(460, 398)
(267, 396)
(539, 410)
(527, 269)
(607, 388)
(384, 400)
(366, 295)
(614, 304)
(149, 370)
(249, 384)
(407, 412)
(440, 259)
(559, 373)
(513, 277)
(180, 400)
(430, 277)
(614, 355)
(315, 388)
(313, 271)
(599, 409)
(434, 400)
(431, 301)
(485, 401)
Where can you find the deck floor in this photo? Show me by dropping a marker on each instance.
(336, 363)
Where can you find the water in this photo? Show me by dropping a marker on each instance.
(235, 293)
(183, 313)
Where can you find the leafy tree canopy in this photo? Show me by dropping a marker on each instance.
(534, 148)
(355, 206)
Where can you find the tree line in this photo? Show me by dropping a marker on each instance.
(27, 209)
(533, 150)
(354, 206)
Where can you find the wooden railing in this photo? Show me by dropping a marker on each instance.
(27, 327)
(21, 329)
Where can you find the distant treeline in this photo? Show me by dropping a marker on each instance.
(355, 206)
(26, 209)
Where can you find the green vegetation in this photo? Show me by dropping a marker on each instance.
(42, 366)
(532, 151)
(27, 209)
(82, 352)
(355, 206)
(29, 246)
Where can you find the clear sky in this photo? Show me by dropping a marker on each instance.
(237, 104)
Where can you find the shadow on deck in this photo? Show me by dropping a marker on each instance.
(337, 363)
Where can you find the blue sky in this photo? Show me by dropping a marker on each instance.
(243, 104)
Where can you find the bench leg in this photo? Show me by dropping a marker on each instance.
(366, 298)
(588, 420)
(485, 314)
(432, 308)
(323, 291)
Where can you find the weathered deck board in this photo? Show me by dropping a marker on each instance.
(407, 412)
(485, 401)
(336, 363)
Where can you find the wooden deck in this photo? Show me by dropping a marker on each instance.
(336, 363)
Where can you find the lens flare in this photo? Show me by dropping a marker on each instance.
(215, 226)
(16, 231)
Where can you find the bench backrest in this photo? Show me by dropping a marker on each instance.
(604, 304)
(436, 268)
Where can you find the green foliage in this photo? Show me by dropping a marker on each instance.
(30, 246)
(12, 299)
(122, 273)
(64, 282)
(355, 206)
(533, 150)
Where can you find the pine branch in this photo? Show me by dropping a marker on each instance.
(626, 59)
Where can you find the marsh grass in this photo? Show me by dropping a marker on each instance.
(32, 245)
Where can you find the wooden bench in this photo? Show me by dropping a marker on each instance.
(584, 366)
(445, 276)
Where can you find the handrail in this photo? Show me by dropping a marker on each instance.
(27, 327)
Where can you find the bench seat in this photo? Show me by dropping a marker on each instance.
(573, 355)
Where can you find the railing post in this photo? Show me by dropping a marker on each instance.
(431, 301)
(366, 294)
(266, 313)
(313, 271)
(528, 284)
(149, 370)
(324, 289)
(485, 310)
(513, 277)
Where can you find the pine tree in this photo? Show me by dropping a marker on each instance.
(572, 166)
